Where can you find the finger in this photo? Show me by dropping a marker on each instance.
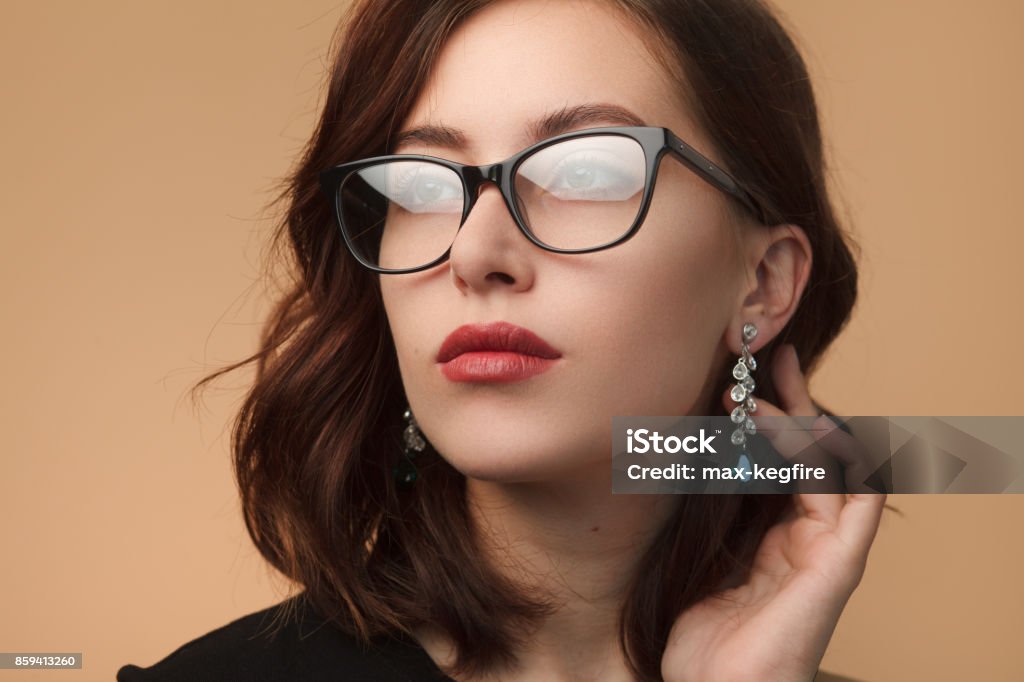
(791, 383)
(859, 520)
(848, 450)
(823, 507)
(841, 445)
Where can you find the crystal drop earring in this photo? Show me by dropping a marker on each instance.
(405, 472)
(743, 393)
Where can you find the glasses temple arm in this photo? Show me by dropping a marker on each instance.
(713, 174)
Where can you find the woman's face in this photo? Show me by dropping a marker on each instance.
(638, 326)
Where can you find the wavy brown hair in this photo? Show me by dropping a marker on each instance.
(317, 435)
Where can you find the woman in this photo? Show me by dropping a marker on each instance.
(505, 315)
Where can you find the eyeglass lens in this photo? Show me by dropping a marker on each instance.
(581, 193)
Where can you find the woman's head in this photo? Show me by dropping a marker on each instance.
(643, 328)
(647, 327)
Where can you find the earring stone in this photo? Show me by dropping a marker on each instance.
(742, 393)
(405, 472)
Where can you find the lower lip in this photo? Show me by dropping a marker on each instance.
(495, 366)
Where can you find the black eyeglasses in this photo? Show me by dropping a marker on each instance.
(578, 192)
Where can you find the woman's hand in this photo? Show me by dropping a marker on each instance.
(776, 626)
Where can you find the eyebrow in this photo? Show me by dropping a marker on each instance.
(557, 122)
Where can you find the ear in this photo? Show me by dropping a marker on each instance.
(780, 258)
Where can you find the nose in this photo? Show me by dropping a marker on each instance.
(489, 252)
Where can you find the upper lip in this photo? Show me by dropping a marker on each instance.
(495, 336)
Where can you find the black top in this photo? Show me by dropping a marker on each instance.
(306, 648)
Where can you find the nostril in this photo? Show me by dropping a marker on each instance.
(504, 277)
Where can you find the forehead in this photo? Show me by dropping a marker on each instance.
(515, 61)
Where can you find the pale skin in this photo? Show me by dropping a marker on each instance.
(640, 328)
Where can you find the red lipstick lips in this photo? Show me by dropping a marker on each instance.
(498, 352)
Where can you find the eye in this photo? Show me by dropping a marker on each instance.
(425, 188)
(605, 170)
(582, 174)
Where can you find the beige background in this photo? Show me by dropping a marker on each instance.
(139, 141)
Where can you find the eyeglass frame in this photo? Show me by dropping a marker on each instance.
(654, 141)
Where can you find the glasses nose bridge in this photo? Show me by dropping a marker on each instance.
(476, 176)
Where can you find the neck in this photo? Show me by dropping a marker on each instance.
(578, 544)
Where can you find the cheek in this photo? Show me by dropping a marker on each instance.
(409, 329)
(664, 318)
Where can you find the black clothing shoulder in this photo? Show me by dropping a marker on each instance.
(305, 648)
